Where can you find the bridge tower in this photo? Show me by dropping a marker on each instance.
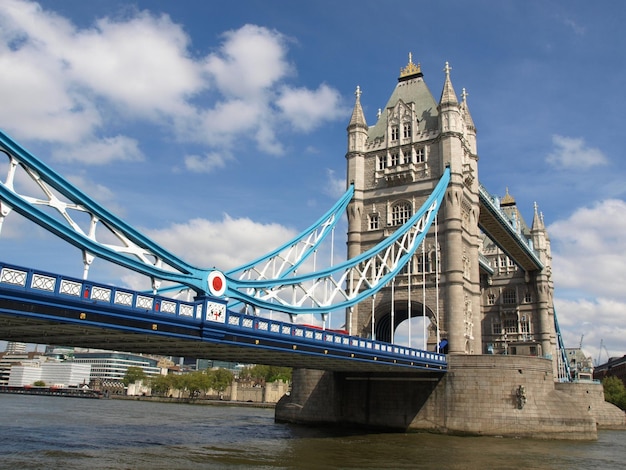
(394, 166)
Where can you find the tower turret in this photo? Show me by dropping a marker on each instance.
(469, 129)
(357, 137)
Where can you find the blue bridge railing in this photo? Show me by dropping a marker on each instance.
(209, 315)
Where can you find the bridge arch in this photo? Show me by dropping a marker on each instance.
(383, 317)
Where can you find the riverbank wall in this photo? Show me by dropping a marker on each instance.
(513, 396)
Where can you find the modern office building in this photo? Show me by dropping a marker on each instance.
(112, 366)
(52, 374)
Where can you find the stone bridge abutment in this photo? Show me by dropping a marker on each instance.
(492, 395)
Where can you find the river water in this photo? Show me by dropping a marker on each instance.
(74, 433)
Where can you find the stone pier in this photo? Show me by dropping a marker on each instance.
(492, 395)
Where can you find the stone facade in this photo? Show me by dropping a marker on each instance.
(496, 317)
(480, 299)
(495, 395)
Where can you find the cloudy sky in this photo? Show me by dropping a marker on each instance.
(220, 131)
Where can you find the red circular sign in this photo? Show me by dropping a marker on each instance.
(216, 283)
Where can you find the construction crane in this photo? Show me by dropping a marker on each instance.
(602, 346)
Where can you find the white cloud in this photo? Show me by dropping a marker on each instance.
(578, 30)
(335, 186)
(119, 148)
(589, 249)
(225, 244)
(207, 163)
(599, 321)
(573, 153)
(251, 61)
(36, 103)
(67, 85)
(589, 265)
(306, 109)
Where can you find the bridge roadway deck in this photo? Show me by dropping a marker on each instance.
(44, 308)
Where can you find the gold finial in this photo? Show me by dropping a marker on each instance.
(411, 68)
(507, 200)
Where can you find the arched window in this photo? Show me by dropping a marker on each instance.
(400, 213)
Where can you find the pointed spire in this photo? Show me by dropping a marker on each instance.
(358, 118)
(537, 220)
(448, 96)
(469, 122)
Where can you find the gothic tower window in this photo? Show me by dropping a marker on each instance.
(400, 213)
(496, 326)
(509, 296)
(406, 130)
(528, 297)
(380, 162)
(394, 132)
(525, 325)
(423, 263)
(395, 159)
(510, 323)
(419, 155)
(374, 222)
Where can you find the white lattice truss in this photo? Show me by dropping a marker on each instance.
(342, 285)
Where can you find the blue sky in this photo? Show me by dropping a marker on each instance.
(220, 131)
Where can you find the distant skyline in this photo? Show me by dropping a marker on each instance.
(220, 132)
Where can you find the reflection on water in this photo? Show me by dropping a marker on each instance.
(70, 433)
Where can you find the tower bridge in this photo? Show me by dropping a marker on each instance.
(424, 240)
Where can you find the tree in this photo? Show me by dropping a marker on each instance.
(220, 379)
(197, 382)
(133, 374)
(267, 373)
(39, 383)
(614, 391)
(161, 384)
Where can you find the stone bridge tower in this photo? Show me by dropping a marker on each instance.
(493, 300)
(484, 300)
(394, 165)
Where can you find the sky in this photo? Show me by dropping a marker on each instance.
(220, 131)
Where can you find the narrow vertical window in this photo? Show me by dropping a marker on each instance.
(423, 263)
(406, 130)
(395, 159)
(394, 132)
(374, 222)
(380, 162)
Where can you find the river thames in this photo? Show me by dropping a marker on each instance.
(73, 433)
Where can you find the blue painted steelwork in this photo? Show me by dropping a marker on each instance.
(57, 298)
(285, 259)
(564, 371)
(354, 281)
(184, 273)
(360, 277)
(327, 222)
